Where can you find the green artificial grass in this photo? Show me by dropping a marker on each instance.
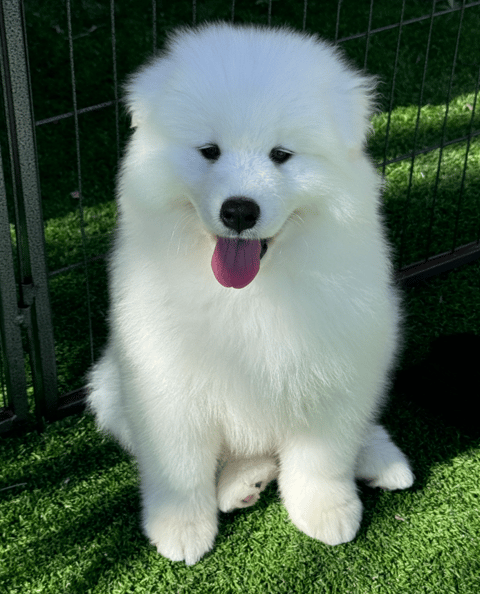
(69, 506)
(69, 500)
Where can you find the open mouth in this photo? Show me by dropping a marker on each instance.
(236, 261)
(264, 247)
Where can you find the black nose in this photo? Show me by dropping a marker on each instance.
(239, 213)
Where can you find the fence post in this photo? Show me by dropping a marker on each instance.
(34, 305)
(10, 335)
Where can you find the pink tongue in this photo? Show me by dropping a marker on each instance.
(236, 262)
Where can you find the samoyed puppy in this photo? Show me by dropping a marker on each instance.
(253, 319)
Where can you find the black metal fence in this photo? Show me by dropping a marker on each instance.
(37, 270)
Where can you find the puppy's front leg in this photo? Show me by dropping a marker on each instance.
(179, 507)
(318, 488)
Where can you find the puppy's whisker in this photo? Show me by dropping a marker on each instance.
(180, 225)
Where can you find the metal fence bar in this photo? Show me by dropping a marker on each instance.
(34, 302)
(392, 89)
(442, 142)
(367, 35)
(10, 334)
(465, 163)
(99, 106)
(413, 154)
(79, 176)
(416, 273)
(70, 114)
(429, 149)
(410, 21)
(114, 67)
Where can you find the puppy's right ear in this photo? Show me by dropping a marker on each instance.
(144, 88)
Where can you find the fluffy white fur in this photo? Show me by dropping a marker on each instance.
(215, 390)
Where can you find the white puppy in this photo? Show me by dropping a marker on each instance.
(253, 321)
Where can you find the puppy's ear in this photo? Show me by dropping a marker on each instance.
(144, 88)
(353, 108)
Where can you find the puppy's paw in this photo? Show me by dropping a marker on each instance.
(382, 464)
(397, 475)
(332, 524)
(181, 538)
(241, 482)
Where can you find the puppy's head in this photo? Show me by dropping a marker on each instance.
(255, 130)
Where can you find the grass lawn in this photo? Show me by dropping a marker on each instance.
(69, 506)
(69, 500)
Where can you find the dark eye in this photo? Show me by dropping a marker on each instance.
(279, 156)
(210, 152)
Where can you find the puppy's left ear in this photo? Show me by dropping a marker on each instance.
(354, 105)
